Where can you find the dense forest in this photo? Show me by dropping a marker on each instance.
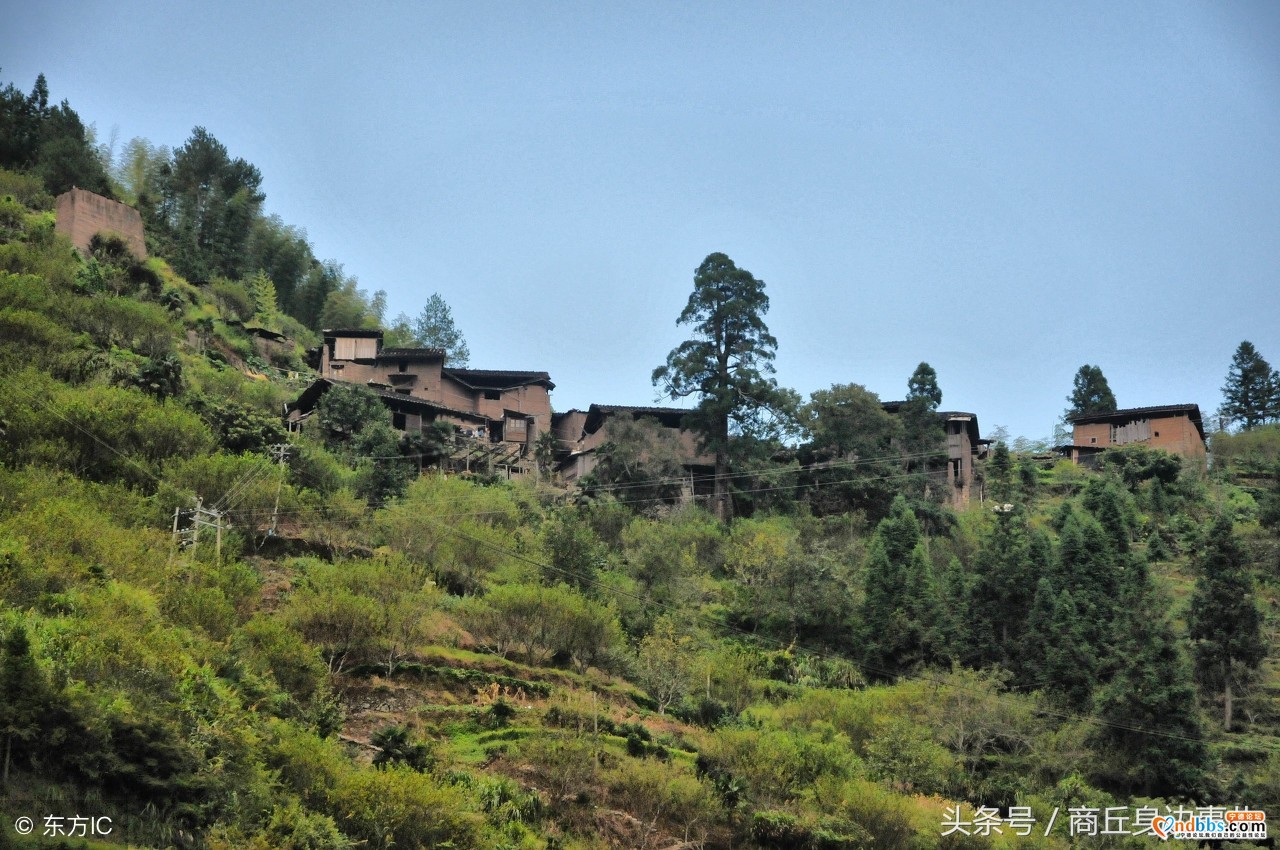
(219, 634)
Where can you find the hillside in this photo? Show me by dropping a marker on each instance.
(334, 651)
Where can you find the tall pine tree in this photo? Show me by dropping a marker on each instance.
(1225, 627)
(1090, 393)
(1251, 395)
(1149, 740)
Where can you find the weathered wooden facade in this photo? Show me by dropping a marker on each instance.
(499, 414)
(965, 449)
(1176, 428)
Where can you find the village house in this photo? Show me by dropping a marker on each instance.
(965, 448)
(581, 433)
(1176, 428)
(498, 413)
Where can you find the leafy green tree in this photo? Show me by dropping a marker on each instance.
(399, 332)
(1251, 394)
(400, 807)
(346, 305)
(292, 827)
(666, 663)
(850, 460)
(922, 387)
(139, 171)
(240, 427)
(542, 622)
(640, 464)
(341, 624)
(727, 364)
(573, 549)
(347, 409)
(780, 589)
(382, 471)
(1090, 393)
(210, 202)
(434, 328)
(1225, 627)
(285, 256)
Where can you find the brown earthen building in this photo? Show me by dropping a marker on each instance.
(81, 215)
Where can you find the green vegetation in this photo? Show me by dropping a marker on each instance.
(1090, 393)
(1251, 395)
(351, 653)
(726, 365)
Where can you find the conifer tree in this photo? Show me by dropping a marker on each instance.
(1251, 395)
(922, 387)
(728, 364)
(1113, 509)
(1000, 473)
(1225, 627)
(1087, 565)
(1090, 393)
(1151, 741)
(1065, 663)
(902, 619)
(434, 328)
(262, 290)
(23, 695)
(1007, 566)
(923, 433)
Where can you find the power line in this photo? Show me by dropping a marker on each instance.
(34, 398)
(212, 518)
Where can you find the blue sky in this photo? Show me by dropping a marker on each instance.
(1005, 190)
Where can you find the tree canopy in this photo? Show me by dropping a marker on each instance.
(49, 141)
(1090, 393)
(1251, 394)
(1225, 627)
(922, 387)
(434, 328)
(727, 364)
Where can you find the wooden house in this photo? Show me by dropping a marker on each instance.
(965, 448)
(581, 433)
(1176, 428)
(498, 413)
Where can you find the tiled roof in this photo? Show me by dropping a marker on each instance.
(498, 378)
(643, 411)
(307, 400)
(411, 354)
(1192, 410)
(363, 333)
